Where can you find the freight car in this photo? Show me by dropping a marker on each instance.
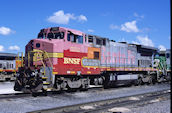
(66, 59)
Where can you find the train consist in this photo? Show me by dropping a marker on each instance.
(9, 64)
(66, 59)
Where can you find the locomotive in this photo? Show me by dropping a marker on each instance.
(66, 59)
(9, 64)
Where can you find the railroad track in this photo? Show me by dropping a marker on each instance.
(14, 95)
(50, 93)
(107, 105)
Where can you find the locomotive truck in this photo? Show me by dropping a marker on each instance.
(65, 59)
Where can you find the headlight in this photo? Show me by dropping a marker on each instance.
(37, 45)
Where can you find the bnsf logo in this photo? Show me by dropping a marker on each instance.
(71, 60)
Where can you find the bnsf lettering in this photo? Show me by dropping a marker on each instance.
(71, 60)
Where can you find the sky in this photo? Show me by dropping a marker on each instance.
(145, 22)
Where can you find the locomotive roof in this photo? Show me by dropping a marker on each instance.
(145, 47)
(8, 54)
(71, 30)
(97, 36)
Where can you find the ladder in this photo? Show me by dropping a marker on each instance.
(42, 56)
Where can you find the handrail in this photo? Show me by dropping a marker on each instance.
(49, 59)
(18, 58)
(42, 62)
(38, 53)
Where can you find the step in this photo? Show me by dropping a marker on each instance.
(46, 83)
(48, 89)
(44, 77)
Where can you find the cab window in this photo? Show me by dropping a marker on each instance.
(41, 35)
(50, 36)
(75, 38)
(59, 35)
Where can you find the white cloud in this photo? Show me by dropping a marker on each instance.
(161, 48)
(14, 48)
(134, 42)
(60, 17)
(90, 30)
(129, 27)
(144, 40)
(138, 16)
(1, 48)
(82, 18)
(5, 30)
(112, 26)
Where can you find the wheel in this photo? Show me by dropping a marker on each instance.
(150, 81)
(139, 81)
(17, 86)
(34, 94)
(44, 92)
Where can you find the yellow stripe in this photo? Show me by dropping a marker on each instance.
(72, 72)
(38, 57)
(56, 55)
(55, 73)
(108, 69)
(89, 72)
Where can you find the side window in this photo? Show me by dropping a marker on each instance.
(167, 55)
(68, 37)
(75, 38)
(104, 42)
(71, 37)
(98, 41)
(96, 55)
(138, 63)
(0, 65)
(90, 39)
(8, 65)
(80, 39)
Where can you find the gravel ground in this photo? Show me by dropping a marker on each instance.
(157, 107)
(7, 87)
(31, 103)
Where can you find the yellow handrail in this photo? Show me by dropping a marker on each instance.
(36, 54)
(49, 59)
(28, 59)
(42, 61)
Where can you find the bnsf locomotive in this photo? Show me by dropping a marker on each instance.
(65, 59)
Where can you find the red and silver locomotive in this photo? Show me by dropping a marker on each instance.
(62, 59)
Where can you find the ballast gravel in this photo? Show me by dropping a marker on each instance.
(26, 104)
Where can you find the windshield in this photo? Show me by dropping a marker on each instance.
(41, 35)
(59, 35)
